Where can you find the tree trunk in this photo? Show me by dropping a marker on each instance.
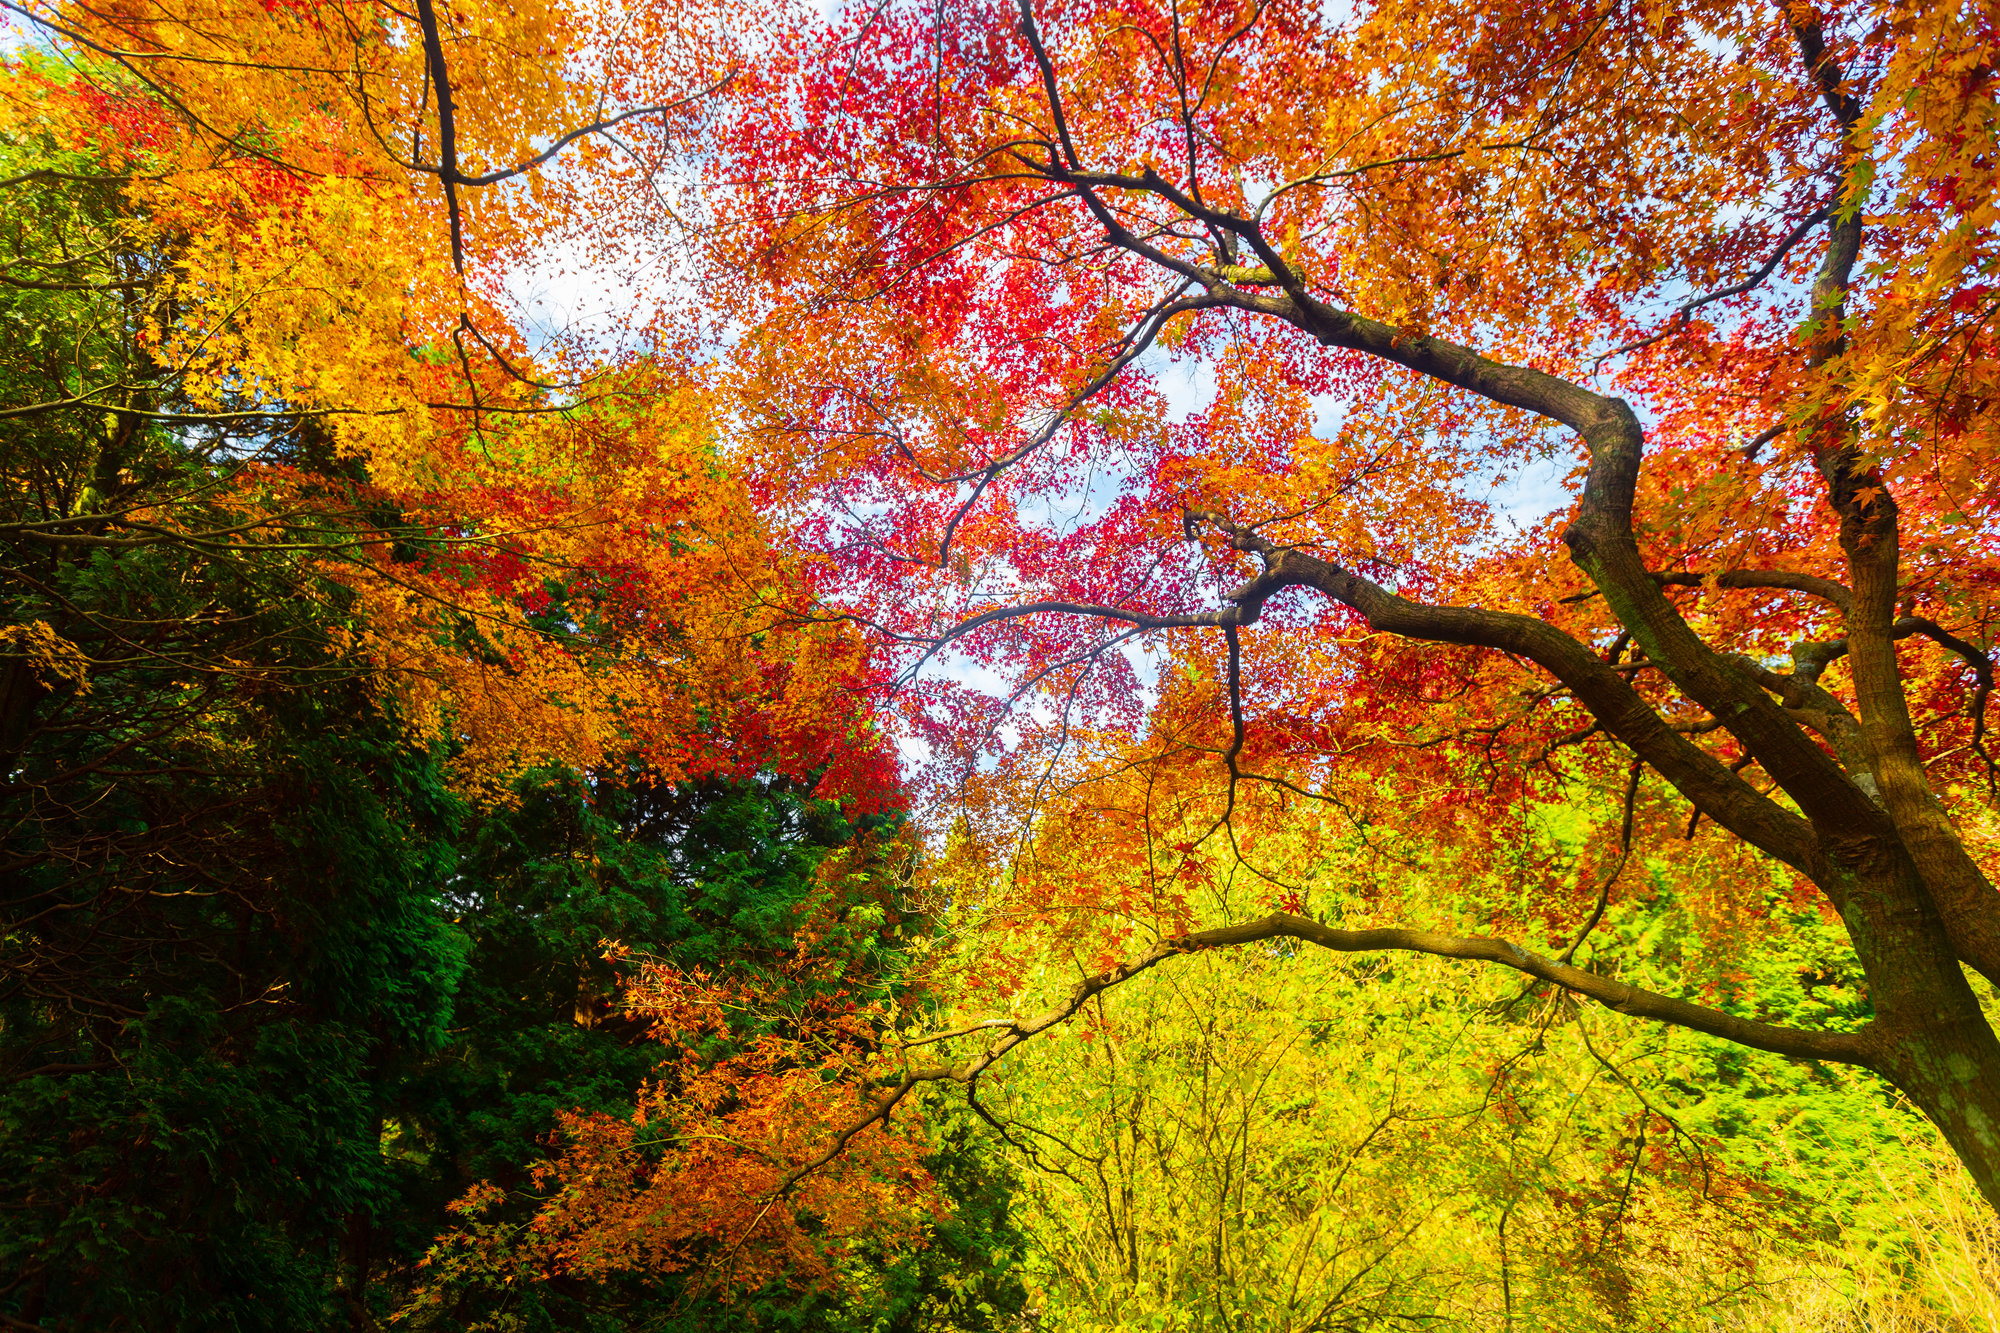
(1948, 1068)
(1929, 1036)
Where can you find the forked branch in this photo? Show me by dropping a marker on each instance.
(447, 169)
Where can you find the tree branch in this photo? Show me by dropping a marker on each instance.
(1618, 996)
(447, 173)
(1783, 580)
(1679, 318)
(1048, 73)
(1596, 684)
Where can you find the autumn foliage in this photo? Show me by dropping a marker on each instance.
(740, 1160)
(289, 470)
(1511, 485)
(548, 558)
(1725, 266)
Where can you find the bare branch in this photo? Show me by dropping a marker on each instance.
(1617, 867)
(448, 173)
(1785, 580)
(1680, 317)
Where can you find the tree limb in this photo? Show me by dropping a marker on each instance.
(1618, 996)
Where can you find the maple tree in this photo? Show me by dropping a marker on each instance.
(1734, 261)
(308, 218)
(246, 346)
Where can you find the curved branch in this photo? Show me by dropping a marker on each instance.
(595, 127)
(1618, 996)
(1598, 685)
(1142, 619)
(1137, 343)
(1814, 658)
(1680, 317)
(1617, 867)
(1783, 580)
(1602, 543)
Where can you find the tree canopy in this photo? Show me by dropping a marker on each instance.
(1220, 664)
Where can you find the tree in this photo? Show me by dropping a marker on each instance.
(250, 461)
(285, 251)
(1416, 247)
(306, 556)
(219, 847)
(220, 892)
